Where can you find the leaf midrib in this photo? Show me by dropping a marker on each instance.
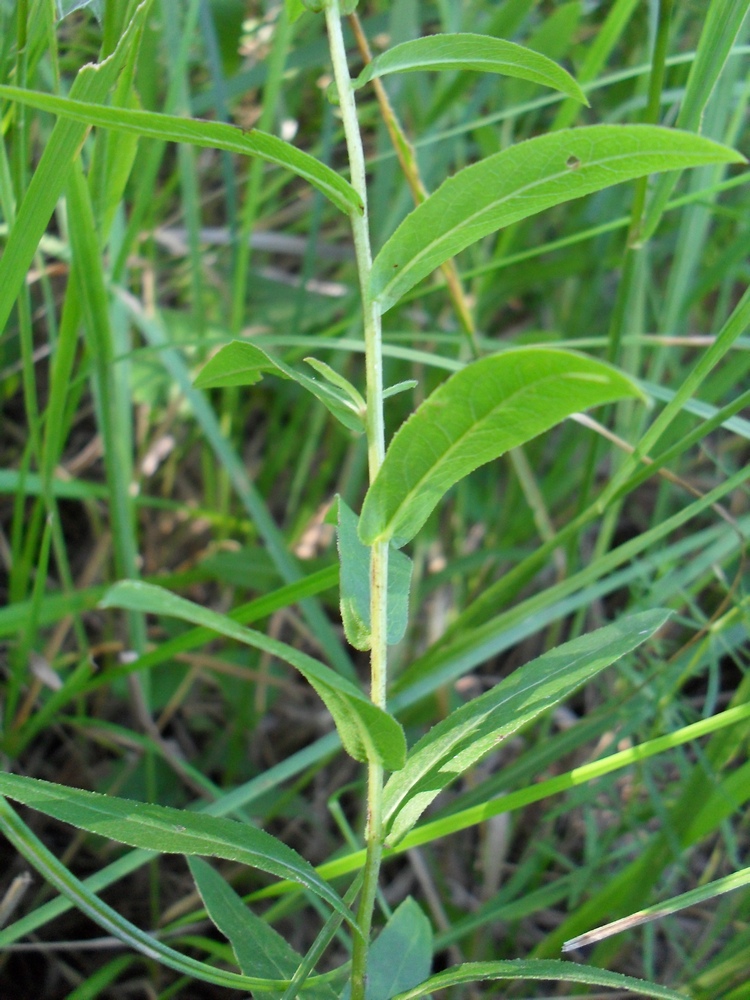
(517, 192)
(383, 535)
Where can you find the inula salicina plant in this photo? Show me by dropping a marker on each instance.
(327, 260)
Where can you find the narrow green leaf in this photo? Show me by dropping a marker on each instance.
(338, 380)
(523, 180)
(479, 53)
(93, 82)
(394, 390)
(355, 585)
(401, 956)
(535, 969)
(79, 894)
(721, 26)
(243, 363)
(458, 742)
(366, 731)
(198, 132)
(261, 952)
(480, 412)
(169, 831)
(660, 910)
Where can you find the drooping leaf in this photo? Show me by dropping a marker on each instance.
(355, 585)
(401, 956)
(243, 363)
(198, 132)
(537, 969)
(480, 412)
(522, 181)
(479, 53)
(467, 735)
(260, 950)
(81, 895)
(366, 731)
(169, 831)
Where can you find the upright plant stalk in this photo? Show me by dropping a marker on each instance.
(410, 168)
(375, 451)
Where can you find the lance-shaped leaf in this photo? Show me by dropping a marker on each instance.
(482, 411)
(80, 894)
(367, 732)
(537, 969)
(478, 53)
(523, 180)
(198, 132)
(169, 831)
(401, 955)
(467, 735)
(260, 950)
(242, 363)
(355, 585)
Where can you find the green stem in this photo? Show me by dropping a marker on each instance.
(375, 451)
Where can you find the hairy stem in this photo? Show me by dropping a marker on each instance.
(376, 451)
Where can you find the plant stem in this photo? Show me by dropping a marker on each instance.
(408, 161)
(375, 451)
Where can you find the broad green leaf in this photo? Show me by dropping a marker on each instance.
(535, 969)
(523, 180)
(367, 732)
(169, 831)
(355, 585)
(198, 132)
(242, 363)
(474, 730)
(480, 412)
(480, 53)
(260, 950)
(401, 956)
(92, 83)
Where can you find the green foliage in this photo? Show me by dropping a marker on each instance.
(491, 406)
(367, 732)
(355, 588)
(471, 52)
(148, 226)
(459, 742)
(174, 831)
(521, 181)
